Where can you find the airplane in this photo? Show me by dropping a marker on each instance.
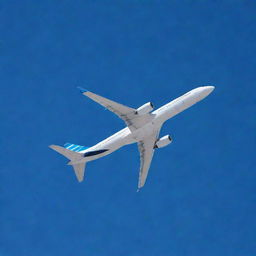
(143, 127)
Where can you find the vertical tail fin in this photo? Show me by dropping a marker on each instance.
(73, 156)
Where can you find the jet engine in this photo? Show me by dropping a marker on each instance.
(145, 109)
(164, 141)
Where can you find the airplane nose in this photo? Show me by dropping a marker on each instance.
(209, 88)
(204, 91)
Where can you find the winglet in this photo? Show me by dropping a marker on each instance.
(82, 90)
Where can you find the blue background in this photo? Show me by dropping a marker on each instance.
(200, 196)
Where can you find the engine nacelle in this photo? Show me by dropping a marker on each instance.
(145, 109)
(164, 141)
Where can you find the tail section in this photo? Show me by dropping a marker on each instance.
(74, 147)
(79, 171)
(74, 156)
(71, 155)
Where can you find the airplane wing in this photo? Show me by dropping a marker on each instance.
(127, 114)
(146, 149)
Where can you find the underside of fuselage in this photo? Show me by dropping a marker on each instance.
(120, 139)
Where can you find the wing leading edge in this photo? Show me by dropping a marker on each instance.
(132, 120)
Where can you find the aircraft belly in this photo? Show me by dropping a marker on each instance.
(143, 132)
(110, 144)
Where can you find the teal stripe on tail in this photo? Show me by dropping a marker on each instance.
(74, 147)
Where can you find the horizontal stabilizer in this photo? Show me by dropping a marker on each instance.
(79, 171)
(73, 156)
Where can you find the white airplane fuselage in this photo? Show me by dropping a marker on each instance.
(128, 136)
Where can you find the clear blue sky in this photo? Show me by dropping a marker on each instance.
(200, 196)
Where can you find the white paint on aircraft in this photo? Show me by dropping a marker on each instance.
(143, 127)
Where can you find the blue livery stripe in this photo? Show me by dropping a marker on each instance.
(74, 147)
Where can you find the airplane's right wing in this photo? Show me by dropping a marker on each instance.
(132, 120)
(146, 149)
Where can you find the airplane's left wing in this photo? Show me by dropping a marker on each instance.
(127, 114)
(146, 149)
